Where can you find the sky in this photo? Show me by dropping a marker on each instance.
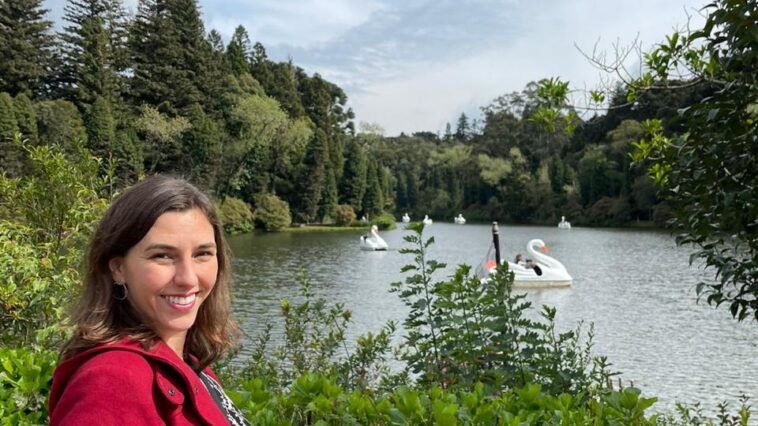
(416, 65)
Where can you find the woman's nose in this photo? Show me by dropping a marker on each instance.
(185, 273)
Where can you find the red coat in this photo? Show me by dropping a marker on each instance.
(122, 384)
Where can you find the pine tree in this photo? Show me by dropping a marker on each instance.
(201, 149)
(260, 67)
(373, 203)
(59, 122)
(329, 197)
(284, 89)
(238, 51)
(214, 39)
(10, 155)
(411, 192)
(26, 118)
(170, 55)
(463, 130)
(353, 183)
(25, 47)
(93, 51)
(101, 128)
(312, 177)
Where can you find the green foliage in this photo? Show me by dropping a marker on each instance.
(314, 336)
(465, 331)
(201, 148)
(93, 51)
(272, 213)
(708, 173)
(373, 202)
(353, 185)
(343, 215)
(317, 399)
(59, 123)
(25, 47)
(313, 177)
(26, 118)
(384, 221)
(25, 379)
(10, 155)
(60, 197)
(236, 216)
(162, 135)
(171, 58)
(45, 219)
(101, 128)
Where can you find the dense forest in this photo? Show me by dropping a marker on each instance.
(157, 93)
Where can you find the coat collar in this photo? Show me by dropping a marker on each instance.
(159, 353)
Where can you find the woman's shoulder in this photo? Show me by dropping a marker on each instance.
(118, 360)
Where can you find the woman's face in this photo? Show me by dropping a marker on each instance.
(170, 272)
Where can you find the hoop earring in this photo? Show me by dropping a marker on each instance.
(120, 291)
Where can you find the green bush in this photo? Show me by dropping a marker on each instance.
(344, 215)
(272, 213)
(25, 379)
(47, 216)
(236, 216)
(317, 399)
(384, 221)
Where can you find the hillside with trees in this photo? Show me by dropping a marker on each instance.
(157, 92)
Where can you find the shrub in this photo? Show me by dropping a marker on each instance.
(236, 216)
(47, 217)
(25, 378)
(344, 215)
(384, 221)
(272, 213)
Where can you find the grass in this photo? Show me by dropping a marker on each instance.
(325, 228)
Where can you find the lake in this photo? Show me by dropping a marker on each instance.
(635, 286)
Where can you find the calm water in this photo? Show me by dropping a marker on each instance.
(635, 286)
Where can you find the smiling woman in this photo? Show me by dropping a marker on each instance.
(154, 314)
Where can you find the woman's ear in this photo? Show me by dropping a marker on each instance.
(116, 266)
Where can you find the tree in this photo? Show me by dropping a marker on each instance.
(329, 197)
(238, 51)
(201, 149)
(353, 184)
(59, 123)
(26, 118)
(170, 54)
(261, 67)
(10, 154)
(707, 173)
(313, 177)
(93, 51)
(373, 202)
(462, 130)
(101, 128)
(25, 47)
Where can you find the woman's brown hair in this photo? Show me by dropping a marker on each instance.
(100, 318)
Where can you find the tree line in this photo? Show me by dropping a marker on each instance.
(157, 93)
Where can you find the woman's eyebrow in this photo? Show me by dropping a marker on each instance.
(159, 246)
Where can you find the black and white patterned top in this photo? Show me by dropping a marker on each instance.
(232, 413)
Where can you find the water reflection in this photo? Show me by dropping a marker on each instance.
(636, 287)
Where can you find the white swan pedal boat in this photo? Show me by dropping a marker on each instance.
(460, 220)
(549, 272)
(427, 220)
(563, 224)
(373, 242)
(406, 218)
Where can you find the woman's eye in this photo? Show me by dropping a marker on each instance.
(160, 256)
(206, 253)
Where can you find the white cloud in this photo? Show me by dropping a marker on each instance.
(298, 23)
(425, 95)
